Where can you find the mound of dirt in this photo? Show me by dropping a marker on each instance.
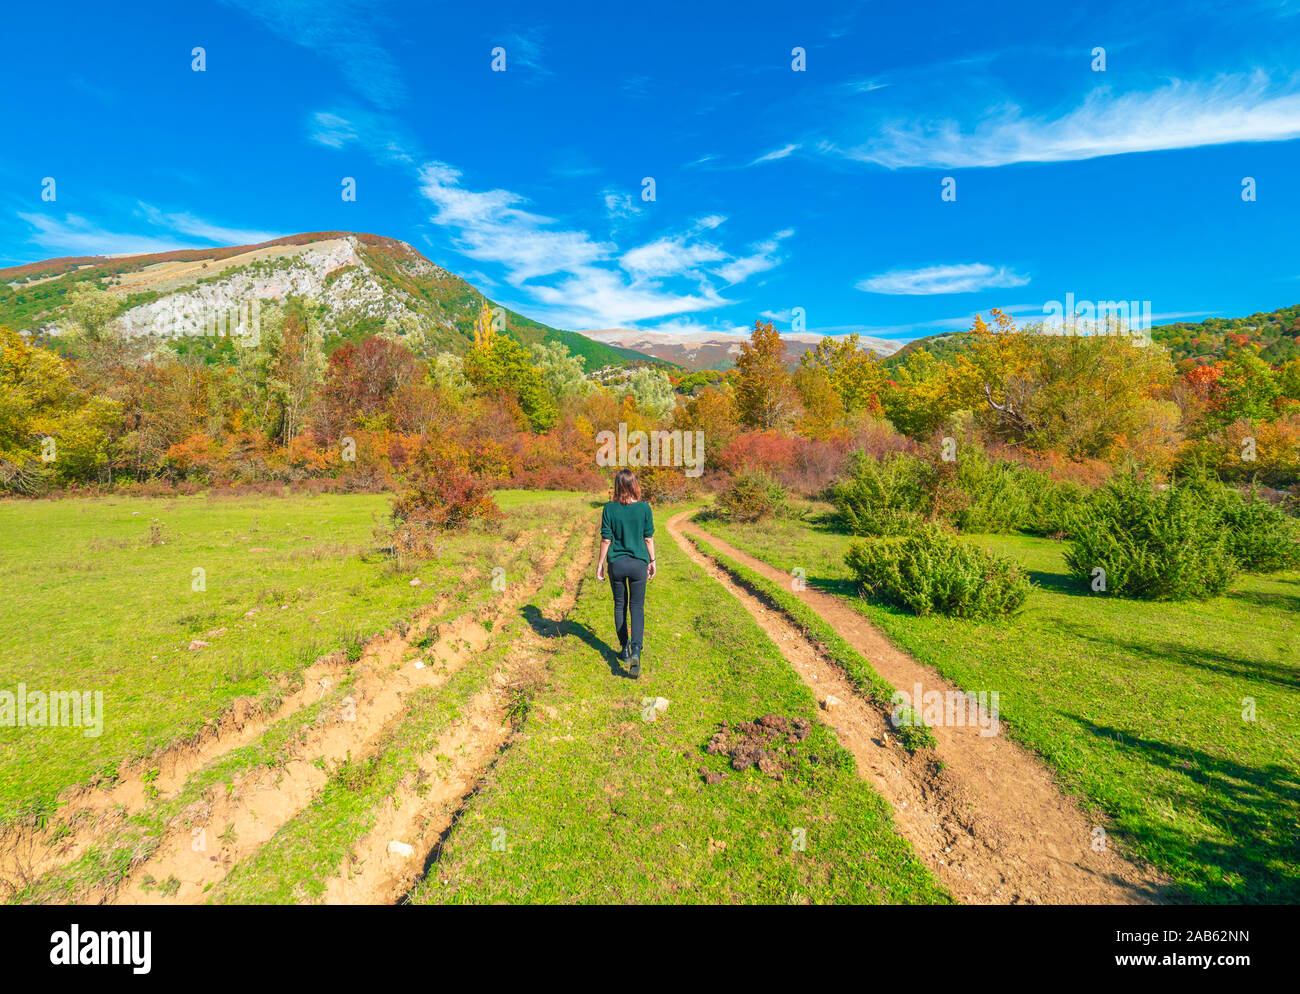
(770, 743)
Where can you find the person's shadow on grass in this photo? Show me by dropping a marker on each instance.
(549, 629)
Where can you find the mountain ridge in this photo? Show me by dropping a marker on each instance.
(1274, 334)
(716, 350)
(361, 283)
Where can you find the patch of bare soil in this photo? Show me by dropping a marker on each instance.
(392, 857)
(91, 815)
(202, 843)
(232, 827)
(165, 277)
(770, 742)
(981, 811)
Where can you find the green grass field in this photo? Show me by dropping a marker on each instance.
(593, 801)
(99, 596)
(598, 797)
(1138, 706)
(598, 804)
(297, 864)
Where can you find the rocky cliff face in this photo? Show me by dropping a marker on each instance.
(356, 285)
(333, 274)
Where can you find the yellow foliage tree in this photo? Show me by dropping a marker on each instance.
(764, 396)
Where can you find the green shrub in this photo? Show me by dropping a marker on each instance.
(751, 496)
(883, 497)
(1053, 505)
(992, 497)
(933, 571)
(1261, 537)
(976, 493)
(1153, 544)
(1002, 496)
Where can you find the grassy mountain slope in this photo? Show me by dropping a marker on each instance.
(1275, 333)
(360, 283)
(940, 346)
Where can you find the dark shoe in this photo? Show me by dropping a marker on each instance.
(622, 654)
(634, 661)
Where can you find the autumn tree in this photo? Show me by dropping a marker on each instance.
(765, 395)
(90, 311)
(162, 403)
(49, 429)
(279, 373)
(1085, 395)
(1249, 389)
(821, 406)
(360, 381)
(447, 371)
(561, 372)
(922, 395)
(652, 391)
(712, 411)
(994, 377)
(499, 364)
(855, 373)
(1288, 382)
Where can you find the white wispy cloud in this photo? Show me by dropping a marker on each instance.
(332, 130)
(346, 32)
(963, 278)
(864, 85)
(491, 226)
(619, 204)
(75, 235)
(763, 256)
(670, 256)
(1180, 114)
(592, 297)
(784, 152)
(525, 48)
(187, 224)
(575, 280)
(377, 134)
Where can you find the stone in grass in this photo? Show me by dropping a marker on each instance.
(401, 849)
(830, 702)
(417, 582)
(198, 644)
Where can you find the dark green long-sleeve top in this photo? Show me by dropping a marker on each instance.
(627, 526)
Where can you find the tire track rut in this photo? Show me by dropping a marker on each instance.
(983, 812)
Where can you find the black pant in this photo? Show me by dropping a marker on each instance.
(627, 576)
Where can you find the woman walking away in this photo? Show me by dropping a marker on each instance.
(627, 553)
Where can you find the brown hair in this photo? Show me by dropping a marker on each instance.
(626, 488)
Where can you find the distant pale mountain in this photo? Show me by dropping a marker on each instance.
(358, 284)
(714, 350)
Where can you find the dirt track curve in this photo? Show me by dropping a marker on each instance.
(982, 811)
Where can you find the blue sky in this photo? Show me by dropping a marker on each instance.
(774, 189)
